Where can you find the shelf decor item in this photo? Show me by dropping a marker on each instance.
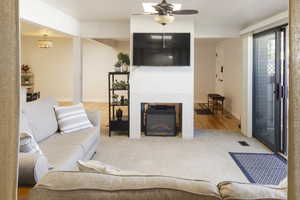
(118, 67)
(120, 85)
(124, 60)
(125, 68)
(118, 98)
(27, 78)
(126, 101)
(119, 114)
(27, 82)
(115, 98)
(122, 101)
(25, 68)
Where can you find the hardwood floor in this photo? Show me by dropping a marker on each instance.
(218, 121)
(23, 193)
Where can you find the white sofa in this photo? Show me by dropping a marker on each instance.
(61, 151)
(92, 186)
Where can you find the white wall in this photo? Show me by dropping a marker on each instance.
(205, 68)
(52, 67)
(213, 31)
(105, 29)
(39, 12)
(207, 65)
(98, 60)
(232, 77)
(162, 84)
(247, 77)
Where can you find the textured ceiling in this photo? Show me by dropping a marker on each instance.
(238, 13)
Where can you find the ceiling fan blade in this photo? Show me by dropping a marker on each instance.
(145, 13)
(185, 12)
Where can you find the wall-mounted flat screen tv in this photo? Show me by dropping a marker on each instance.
(161, 49)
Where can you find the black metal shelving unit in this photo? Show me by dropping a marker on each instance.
(114, 123)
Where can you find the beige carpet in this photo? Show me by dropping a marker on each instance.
(205, 157)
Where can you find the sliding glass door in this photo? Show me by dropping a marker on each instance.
(269, 85)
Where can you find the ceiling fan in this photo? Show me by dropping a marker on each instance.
(164, 12)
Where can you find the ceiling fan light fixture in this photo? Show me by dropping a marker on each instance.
(164, 19)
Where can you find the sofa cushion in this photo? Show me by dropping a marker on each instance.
(94, 166)
(24, 124)
(246, 191)
(41, 117)
(72, 118)
(62, 156)
(83, 138)
(91, 186)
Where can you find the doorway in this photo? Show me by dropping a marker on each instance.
(270, 88)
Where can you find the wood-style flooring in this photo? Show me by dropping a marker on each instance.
(23, 193)
(217, 121)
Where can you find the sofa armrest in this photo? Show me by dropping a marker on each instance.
(32, 167)
(246, 191)
(94, 117)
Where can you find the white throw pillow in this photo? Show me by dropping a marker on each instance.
(93, 166)
(28, 144)
(72, 118)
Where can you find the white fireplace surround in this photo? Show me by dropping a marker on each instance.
(167, 85)
(162, 84)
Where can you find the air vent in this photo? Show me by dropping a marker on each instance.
(244, 143)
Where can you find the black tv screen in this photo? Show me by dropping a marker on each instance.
(161, 49)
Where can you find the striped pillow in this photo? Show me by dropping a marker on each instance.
(72, 118)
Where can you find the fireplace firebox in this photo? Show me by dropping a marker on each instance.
(160, 121)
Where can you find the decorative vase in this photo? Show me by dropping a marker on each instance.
(119, 114)
(124, 68)
(117, 69)
(126, 101)
(122, 100)
(115, 99)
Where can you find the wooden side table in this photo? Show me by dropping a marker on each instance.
(215, 101)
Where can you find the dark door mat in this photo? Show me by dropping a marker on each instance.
(261, 168)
